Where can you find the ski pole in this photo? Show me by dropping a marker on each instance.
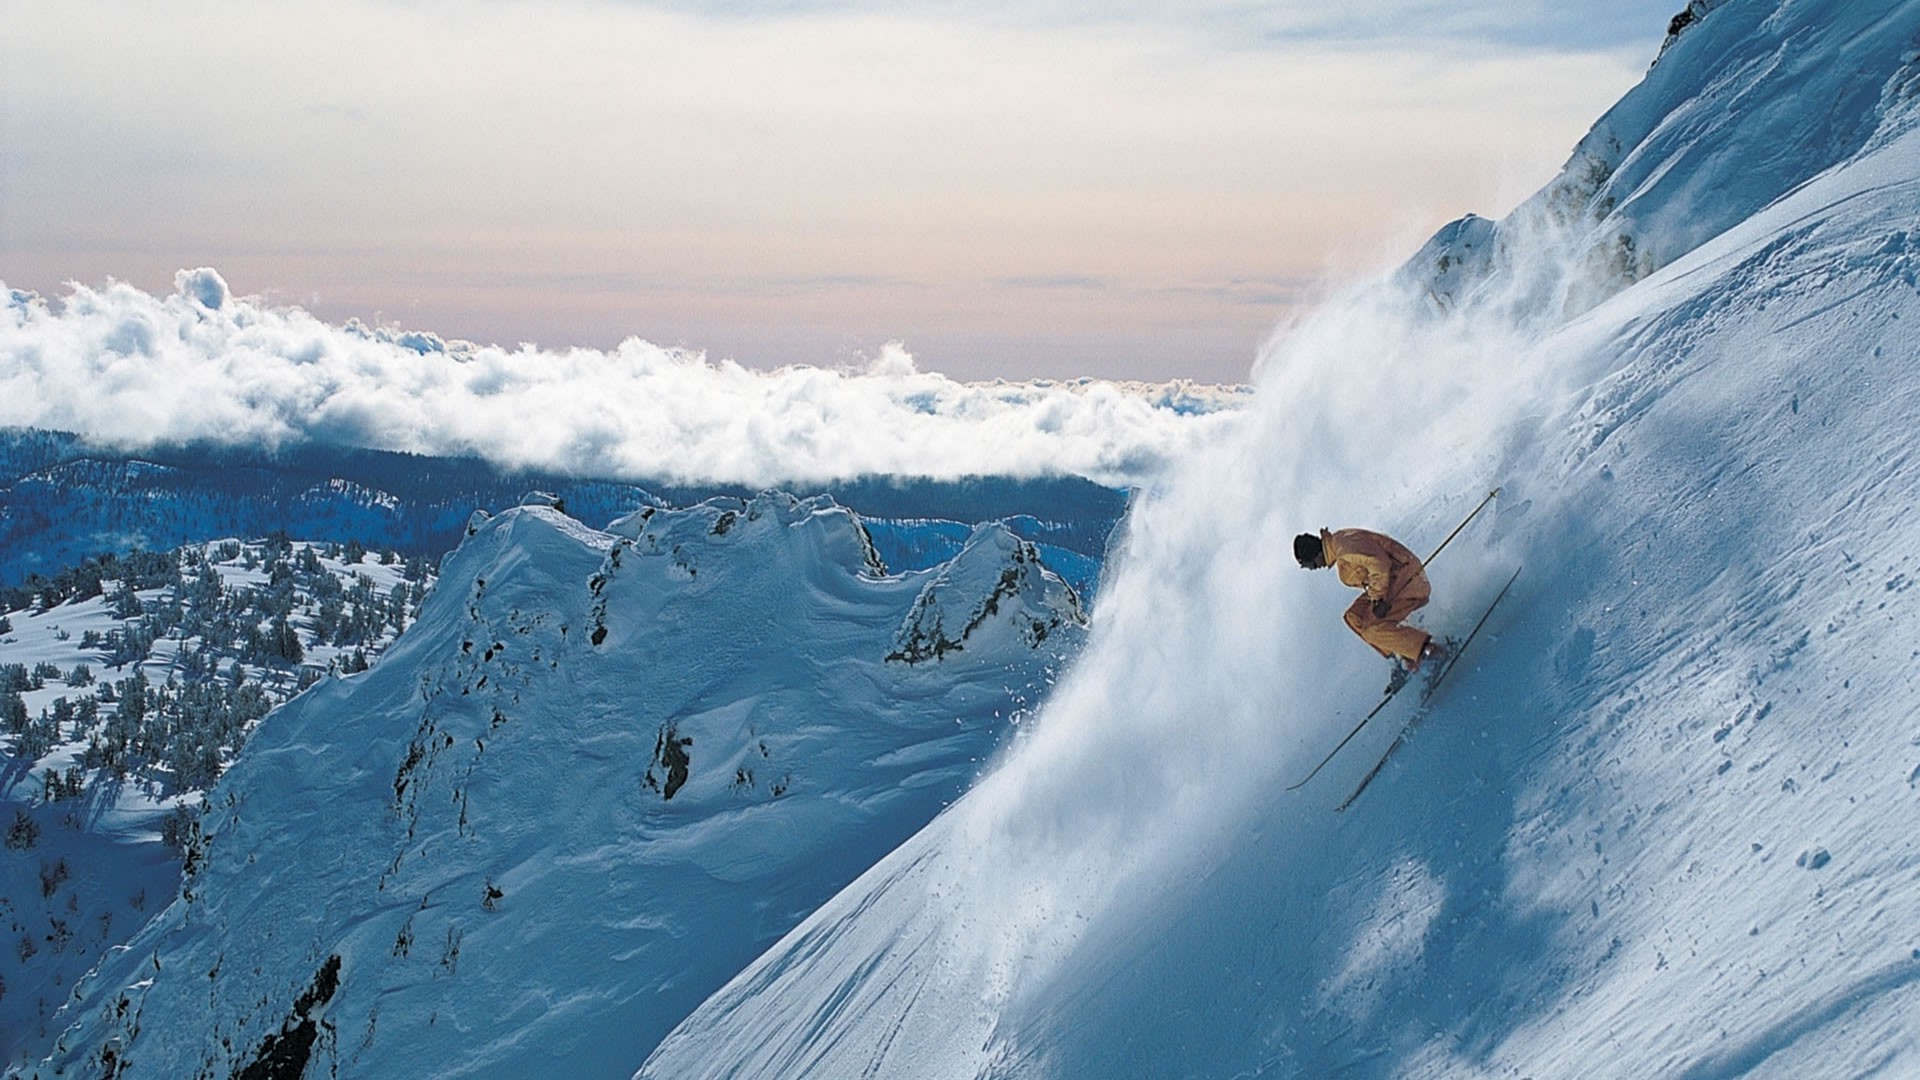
(1462, 525)
(1343, 742)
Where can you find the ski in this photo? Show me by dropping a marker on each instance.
(1371, 713)
(1426, 695)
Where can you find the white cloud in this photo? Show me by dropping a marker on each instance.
(130, 368)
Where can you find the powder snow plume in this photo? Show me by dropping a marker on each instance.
(1214, 671)
(128, 368)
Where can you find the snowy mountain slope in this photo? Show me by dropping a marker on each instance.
(600, 773)
(1664, 827)
(127, 686)
(1660, 823)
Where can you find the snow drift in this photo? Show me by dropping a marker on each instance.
(1659, 824)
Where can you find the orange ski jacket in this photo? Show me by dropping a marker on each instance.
(1377, 564)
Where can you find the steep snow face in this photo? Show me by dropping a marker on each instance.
(600, 773)
(1660, 821)
(1660, 824)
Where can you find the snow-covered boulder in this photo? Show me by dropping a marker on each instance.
(544, 498)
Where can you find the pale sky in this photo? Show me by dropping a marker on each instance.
(1053, 188)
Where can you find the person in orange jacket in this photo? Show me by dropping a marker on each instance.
(1392, 584)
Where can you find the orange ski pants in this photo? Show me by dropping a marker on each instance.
(1388, 633)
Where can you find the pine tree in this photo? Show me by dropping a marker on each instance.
(13, 711)
(286, 641)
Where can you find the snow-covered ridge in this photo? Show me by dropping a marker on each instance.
(996, 584)
(1747, 101)
(599, 773)
(129, 368)
(62, 499)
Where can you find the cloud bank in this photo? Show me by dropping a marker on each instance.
(130, 369)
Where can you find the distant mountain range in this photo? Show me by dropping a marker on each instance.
(62, 499)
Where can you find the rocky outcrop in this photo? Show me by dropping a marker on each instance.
(996, 587)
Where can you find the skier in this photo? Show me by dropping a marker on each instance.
(1393, 586)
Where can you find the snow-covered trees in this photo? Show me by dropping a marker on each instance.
(207, 640)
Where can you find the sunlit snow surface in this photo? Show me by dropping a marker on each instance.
(1661, 821)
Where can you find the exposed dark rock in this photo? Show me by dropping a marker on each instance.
(283, 1055)
(669, 757)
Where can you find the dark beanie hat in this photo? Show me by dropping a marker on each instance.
(1306, 549)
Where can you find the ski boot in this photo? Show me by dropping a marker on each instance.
(1434, 656)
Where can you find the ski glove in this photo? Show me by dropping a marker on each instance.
(1380, 608)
